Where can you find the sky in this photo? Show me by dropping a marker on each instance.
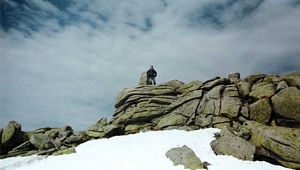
(63, 62)
(124, 151)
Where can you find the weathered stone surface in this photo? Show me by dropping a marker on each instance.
(287, 103)
(271, 79)
(281, 144)
(260, 111)
(231, 91)
(135, 128)
(219, 119)
(188, 109)
(234, 77)
(100, 131)
(197, 94)
(174, 83)
(292, 79)
(180, 127)
(230, 106)
(141, 112)
(245, 110)
(77, 138)
(211, 102)
(281, 85)
(204, 120)
(10, 131)
(12, 136)
(230, 144)
(143, 90)
(64, 151)
(244, 88)
(262, 90)
(163, 100)
(211, 106)
(143, 79)
(184, 156)
(211, 84)
(254, 78)
(42, 141)
(172, 120)
(191, 86)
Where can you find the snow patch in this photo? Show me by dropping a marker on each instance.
(144, 151)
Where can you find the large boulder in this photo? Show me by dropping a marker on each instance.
(292, 79)
(42, 141)
(184, 156)
(77, 138)
(229, 144)
(286, 103)
(244, 88)
(278, 143)
(12, 136)
(254, 78)
(262, 90)
(230, 106)
(260, 111)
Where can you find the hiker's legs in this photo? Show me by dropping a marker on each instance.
(152, 81)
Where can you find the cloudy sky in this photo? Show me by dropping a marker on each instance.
(63, 62)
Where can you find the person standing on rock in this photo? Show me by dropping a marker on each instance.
(151, 74)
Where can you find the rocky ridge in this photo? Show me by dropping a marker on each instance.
(260, 113)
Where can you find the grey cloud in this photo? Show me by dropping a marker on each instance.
(69, 69)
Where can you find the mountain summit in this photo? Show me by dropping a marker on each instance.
(259, 117)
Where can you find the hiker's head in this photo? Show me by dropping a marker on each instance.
(151, 66)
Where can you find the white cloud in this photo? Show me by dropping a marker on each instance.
(69, 74)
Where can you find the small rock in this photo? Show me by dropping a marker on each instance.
(184, 156)
(234, 77)
(281, 85)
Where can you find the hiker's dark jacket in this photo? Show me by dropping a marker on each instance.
(151, 73)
